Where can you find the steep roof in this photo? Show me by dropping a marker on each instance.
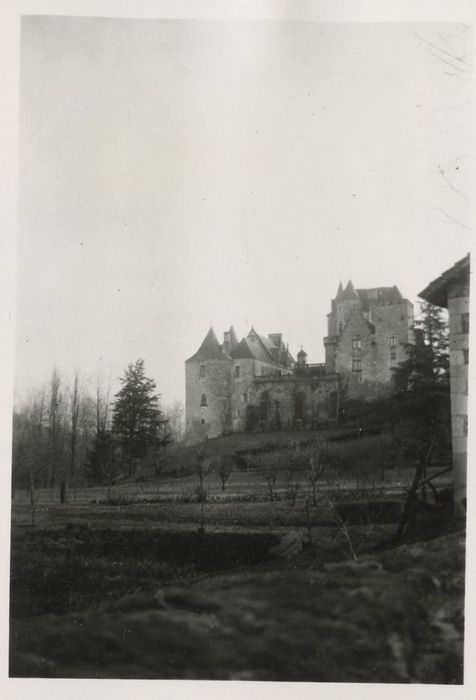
(210, 349)
(267, 342)
(259, 347)
(340, 291)
(383, 295)
(349, 292)
(437, 291)
(253, 346)
(243, 351)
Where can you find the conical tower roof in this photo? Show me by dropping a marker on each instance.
(349, 292)
(340, 291)
(210, 349)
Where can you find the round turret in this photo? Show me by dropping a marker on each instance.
(302, 357)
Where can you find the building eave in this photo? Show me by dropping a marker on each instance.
(437, 291)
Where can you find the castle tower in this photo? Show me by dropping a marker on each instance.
(207, 388)
(368, 330)
(346, 301)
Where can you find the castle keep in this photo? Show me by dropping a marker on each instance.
(241, 385)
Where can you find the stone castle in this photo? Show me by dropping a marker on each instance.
(242, 385)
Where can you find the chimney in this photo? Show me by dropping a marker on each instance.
(226, 342)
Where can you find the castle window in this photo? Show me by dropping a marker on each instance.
(203, 400)
(466, 356)
(393, 355)
(393, 340)
(356, 364)
(356, 342)
(237, 370)
(203, 370)
(245, 398)
(465, 323)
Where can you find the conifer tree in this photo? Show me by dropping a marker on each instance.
(422, 384)
(136, 414)
(427, 362)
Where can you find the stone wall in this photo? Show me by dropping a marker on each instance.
(390, 319)
(211, 418)
(458, 309)
(356, 326)
(295, 402)
(378, 353)
(244, 390)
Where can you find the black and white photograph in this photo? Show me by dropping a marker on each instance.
(241, 350)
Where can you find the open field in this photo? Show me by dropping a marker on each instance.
(249, 484)
(143, 581)
(361, 468)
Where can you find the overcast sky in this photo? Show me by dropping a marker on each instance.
(181, 174)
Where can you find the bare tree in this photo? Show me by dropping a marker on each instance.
(175, 415)
(34, 446)
(55, 433)
(102, 408)
(224, 470)
(267, 464)
(295, 460)
(315, 471)
(203, 467)
(74, 427)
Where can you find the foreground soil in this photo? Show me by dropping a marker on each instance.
(211, 608)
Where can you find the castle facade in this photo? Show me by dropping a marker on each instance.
(242, 385)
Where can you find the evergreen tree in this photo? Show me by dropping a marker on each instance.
(435, 333)
(101, 463)
(136, 414)
(422, 402)
(427, 362)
